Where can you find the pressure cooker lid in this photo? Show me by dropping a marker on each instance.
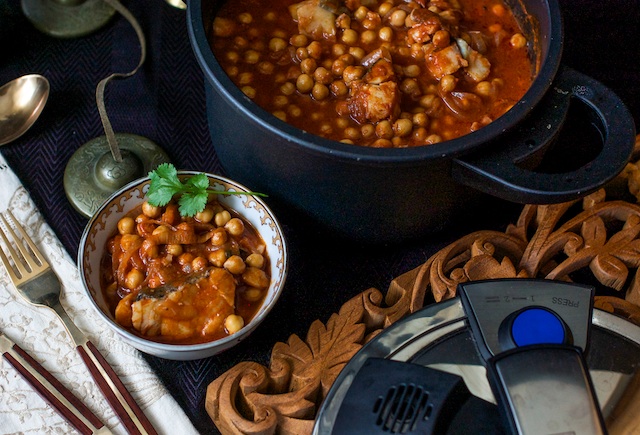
(447, 357)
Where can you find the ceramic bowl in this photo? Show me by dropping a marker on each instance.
(103, 225)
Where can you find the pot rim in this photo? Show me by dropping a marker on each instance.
(549, 43)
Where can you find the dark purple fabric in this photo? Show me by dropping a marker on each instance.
(165, 102)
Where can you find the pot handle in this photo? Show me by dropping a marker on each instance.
(499, 170)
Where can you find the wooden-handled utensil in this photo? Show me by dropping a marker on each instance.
(38, 284)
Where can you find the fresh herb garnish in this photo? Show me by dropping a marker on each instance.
(193, 193)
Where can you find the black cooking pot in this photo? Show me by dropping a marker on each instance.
(387, 194)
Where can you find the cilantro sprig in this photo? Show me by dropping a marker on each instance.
(192, 194)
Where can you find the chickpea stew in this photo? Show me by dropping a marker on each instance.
(390, 73)
(182, 280)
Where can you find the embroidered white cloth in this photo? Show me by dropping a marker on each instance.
(40, 333)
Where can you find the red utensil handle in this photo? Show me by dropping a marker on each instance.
(125, 407)
(53, 392)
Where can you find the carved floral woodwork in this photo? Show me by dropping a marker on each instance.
(591, 237)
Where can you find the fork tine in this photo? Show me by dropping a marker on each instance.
(17, 270)
(35, 252)
(28, 262)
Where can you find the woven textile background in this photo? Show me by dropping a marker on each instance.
(165, 102)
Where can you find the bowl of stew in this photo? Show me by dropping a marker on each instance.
(400, 117)
(181, 287)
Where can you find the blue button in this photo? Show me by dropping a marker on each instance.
(537, 326)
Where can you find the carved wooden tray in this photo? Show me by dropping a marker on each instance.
(592, 236)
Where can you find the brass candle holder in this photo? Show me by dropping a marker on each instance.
(67, 18)
(105, 164)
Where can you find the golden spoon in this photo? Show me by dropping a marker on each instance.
(21, 102)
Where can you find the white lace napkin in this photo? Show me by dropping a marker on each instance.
(41, 334)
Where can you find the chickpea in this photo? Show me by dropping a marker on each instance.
(402, 127)
(150, 210)
(251, 57)
(255, 277)
(223, 27)
(322, 75)
(174, 249)
(434, 138)
(222, 218)
(133, 279)
(304, 83)
(357, 52)
(217, 258)
(245, 78)
(235, 226)
(219, 237)
(302, 53)
(367, 130)
(280, 115)
(255, 260)
(235, 265)
(277, 44)
(410, 86)
(249, 91)
(294, 111)
(233, 71)
(420, 135)
(382, 143)
(339, 88)
(266, 68)
(185, 258)
(352, 133)
(199, 263)
(368, 37)
(241, 42)
(339, 49)
(384, 129)
(352, 73)
(252, 294)
(349, 36)
(441, 39)
(448, 83)
(206, 215)
(308, 66)
(498, 10)
(126, 225)
(245, 18)
(288, 88)
(412, 71)
(397, 18)
(326, 129)
(420, 119)
(130, 241)
(315, 50)
(484, 88)
(361, 13)
(280, 101)
(320, 91)
(233, 56)
(518, 40)
(299, 40)
(337, 67)
(342, 123)
(233, 323)
(384, 8)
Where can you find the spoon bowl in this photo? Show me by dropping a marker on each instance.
(21, 102)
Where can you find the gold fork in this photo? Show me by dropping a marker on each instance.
(32, 275)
